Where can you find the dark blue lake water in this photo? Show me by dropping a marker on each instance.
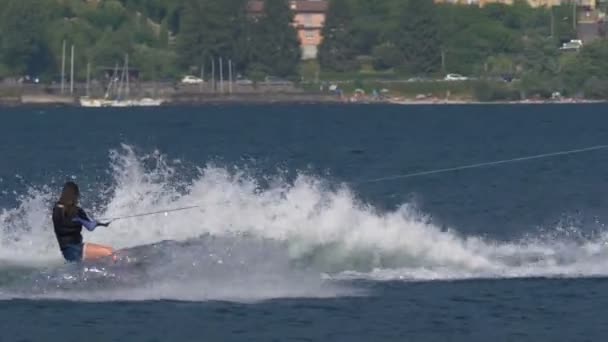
(295, 237)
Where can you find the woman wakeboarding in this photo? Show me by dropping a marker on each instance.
(68, 220)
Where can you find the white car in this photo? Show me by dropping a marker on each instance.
(455, 77)
(243, 81)
(189, 79)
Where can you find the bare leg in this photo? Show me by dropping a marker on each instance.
(93, 251)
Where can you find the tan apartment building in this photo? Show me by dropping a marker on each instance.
(309, 18)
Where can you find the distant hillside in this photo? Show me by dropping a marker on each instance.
(164, 38)
(516, 50)
(101, 31)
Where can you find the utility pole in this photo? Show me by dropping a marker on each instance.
(72, 72)
(552, 22)
(443, 60)
(88, 78)
(574, 15)
(230, 76)
(200, 88)
(221, 75)
(213, 74)
(63, 68)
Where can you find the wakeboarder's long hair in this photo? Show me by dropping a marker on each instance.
(69, 198)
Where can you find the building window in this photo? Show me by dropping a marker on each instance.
(307, 20)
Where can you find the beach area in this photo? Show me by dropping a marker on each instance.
(170, 94)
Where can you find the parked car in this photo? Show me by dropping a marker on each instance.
(572, 45)
(189, 79)
(272, 80)
(455, 77)
(243, 81)
(29, 79)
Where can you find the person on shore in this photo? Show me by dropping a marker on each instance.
(68, 220)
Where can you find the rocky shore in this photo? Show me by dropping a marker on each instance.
(171, 94)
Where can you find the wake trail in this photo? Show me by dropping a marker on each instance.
(315, 232)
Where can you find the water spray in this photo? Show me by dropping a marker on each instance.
(409, 175)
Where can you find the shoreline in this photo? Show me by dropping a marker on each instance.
(46, 100)
(520, 102)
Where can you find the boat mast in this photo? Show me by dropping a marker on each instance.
(121, 84)
(63, 68)
(72, 72)
(127, 75)
(88, 78)
(113, 77)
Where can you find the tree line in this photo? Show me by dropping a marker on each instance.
(404, 38)
(495, 42)
(421, 37)
(164, 38)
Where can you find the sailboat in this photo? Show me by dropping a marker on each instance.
(87, 101)
(120, 99)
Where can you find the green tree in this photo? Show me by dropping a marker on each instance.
(387, 56)
(455, 29)
(562, 22)
(110, 14)
(500, 66)
(111, 48)
(276, 47)
(539, 67)
(540, 55)
(163, 37)
(590, 63)
(517, 16)
(154, 63)
(23, 47)
(337, 51)
(208, 29)
(596, 88)
(371, 24)
(418, 37)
